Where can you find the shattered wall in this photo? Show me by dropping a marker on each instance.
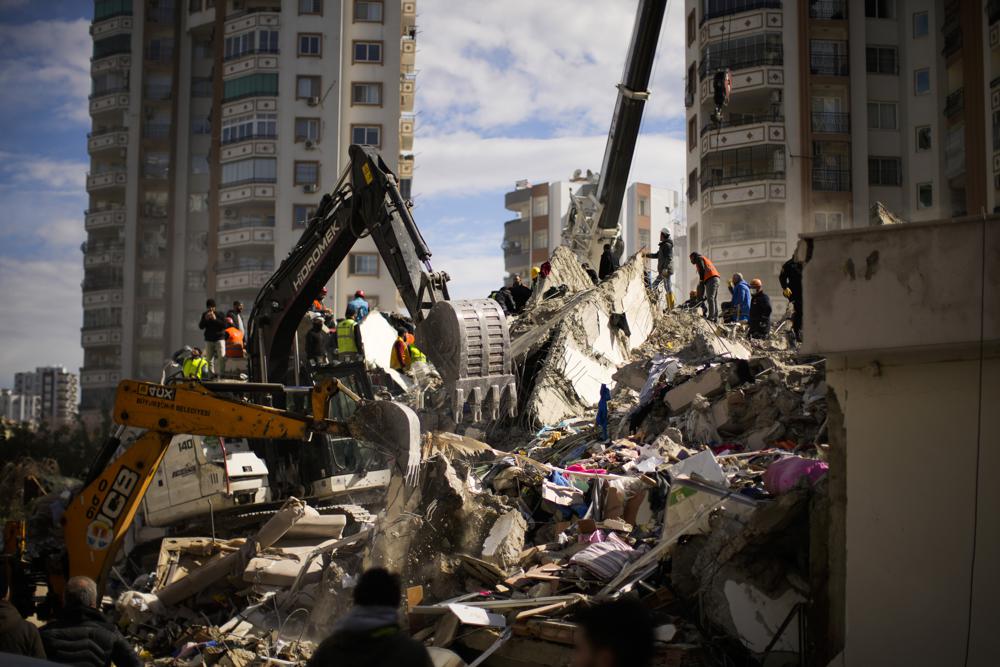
(584, 350)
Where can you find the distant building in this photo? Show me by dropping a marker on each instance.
(834, 106)
(532, 237)
(49, 394)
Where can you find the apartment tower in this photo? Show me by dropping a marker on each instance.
(48, 394)
(836, 105)
(217, 128)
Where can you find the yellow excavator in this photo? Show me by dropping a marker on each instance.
(98, 516)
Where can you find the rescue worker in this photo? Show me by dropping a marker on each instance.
(760, 310)
(235, 348)
(194, 366)
(664, 256)
(316, 343)
(609, 264)
(708, 285)
(82, 635)
(371, 632)
(520, 293)
(318, 306)
(535, 271)
(791, 285)
(400, 356)
(237, 314)
(740, 304)
(215, 338)
(349, 343)
(602, 412)
(17, 636)
(591, 273)
(360, 306)
(504, 298)
(693, 301)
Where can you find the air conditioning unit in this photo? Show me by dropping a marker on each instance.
(312, 187)
(310, 144)
(313, 101)
(230, 213)
(228, 254)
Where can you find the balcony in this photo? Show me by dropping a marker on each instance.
(243, 233)
(828, 64)
(406, 125)
(247, 193)
(111, 26)
(831, 122)
(831, 180)
(121, 61)
(717, 8)
(103, 254)
(250, 62)
(828, 10)
(106, 139)
(954, 103)
(407, 89)
(109, 102)
(407, 54)
(99, 378)
(100, 337)
(115, 178)
(243, 274)
(101, 296)
(743, 132)
(103, 218)
(952, 42)
(743, 189)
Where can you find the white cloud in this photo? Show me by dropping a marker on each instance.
(40, 302)
(44, 172)
(46, 65)
(486, 66)
(465, 163)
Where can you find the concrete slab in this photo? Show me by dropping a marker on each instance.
(709, 382)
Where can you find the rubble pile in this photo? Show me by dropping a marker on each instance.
(700, 500)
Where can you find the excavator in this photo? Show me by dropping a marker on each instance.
(596, 206)
(467, 341)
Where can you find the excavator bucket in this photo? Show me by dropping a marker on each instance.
(392, 428)
(469, 344)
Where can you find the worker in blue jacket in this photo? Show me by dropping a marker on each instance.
(740, 305)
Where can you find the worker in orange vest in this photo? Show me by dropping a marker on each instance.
(708, 283)
(234, 340)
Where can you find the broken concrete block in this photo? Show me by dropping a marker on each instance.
(760, 438)
(710, 344)
(632, 375)
(565, 269)
(505, 541)
(709, 382)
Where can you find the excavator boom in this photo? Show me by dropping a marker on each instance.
(467, 341)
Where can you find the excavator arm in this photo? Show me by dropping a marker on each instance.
(467, 341)
(98, 516)
(594, 212)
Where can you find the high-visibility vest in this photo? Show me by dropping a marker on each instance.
(710, 270)
(345, 336)
(234, 343)
(194, 366)
(415, 354)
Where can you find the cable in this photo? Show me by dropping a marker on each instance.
(979, 440)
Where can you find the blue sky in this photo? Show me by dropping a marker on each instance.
(505, 91)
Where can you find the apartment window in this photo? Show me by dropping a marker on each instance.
(692, 27)
(881, 60)
(195, 280)
(363, 264)
(366, 94)
(250, 85)
(692, 132)
(922, 81)
(925, 195)
(881, 115)
(644, 206)
(644, 238)
(199, 164)
(828, 57)
(307, 86)
(201, 125)
(368, 11)
(366, 135)
(740, 52)
(238, 45)
(878, 9)
(539, 206)
(307, 173)
(368, 52)
(201, 87)
(267, 41)
(250, 126)
(253, 170)
(923, 138)
(540, 239)
(110, 46)
(692, 191)
(310, 6)
(885, 171)
(105, 9)
(827, 222)
(306, 129)
(310, 44)
(921, 24)
(302, 214)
